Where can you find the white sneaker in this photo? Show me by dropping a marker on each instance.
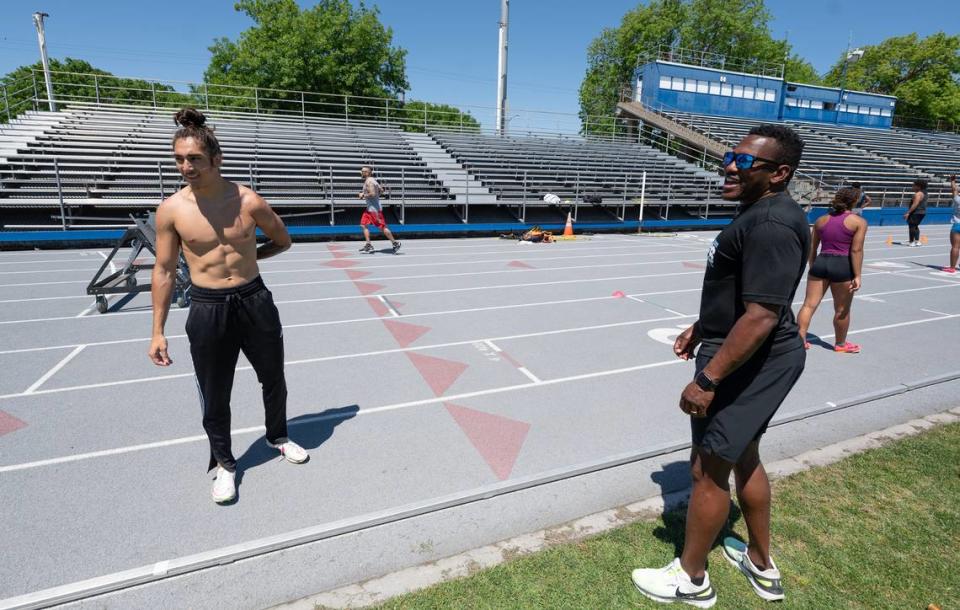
(766, 583)
(671, 584)
(224, 486)
(294, 453)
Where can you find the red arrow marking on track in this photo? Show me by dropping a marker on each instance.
(339, 254)
(519, 265)
(497, 439)
(9, 423)
(439, 373)
(694, 265)
(367, 287)
(341, 263)
(353, 274)
(404, 333)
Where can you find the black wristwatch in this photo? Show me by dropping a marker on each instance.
(705, 383)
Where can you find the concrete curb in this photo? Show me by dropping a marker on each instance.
(380, 589)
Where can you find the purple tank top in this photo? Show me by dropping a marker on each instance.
(835, 237)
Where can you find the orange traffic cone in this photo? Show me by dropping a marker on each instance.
(568, 230)
(923, 240)
(889, 240)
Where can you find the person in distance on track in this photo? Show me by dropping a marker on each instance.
(916, 211)
(214, 222)
(839, 235)
(373, 215)
(863, 200)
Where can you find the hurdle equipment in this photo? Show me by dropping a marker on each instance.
(142, 236)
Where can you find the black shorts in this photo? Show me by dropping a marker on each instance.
(745, 402)
(833, 267)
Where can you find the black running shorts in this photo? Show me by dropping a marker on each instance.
(745, 402)
(833, 267)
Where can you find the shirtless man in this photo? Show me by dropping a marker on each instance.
(373, 214)
(214, 221)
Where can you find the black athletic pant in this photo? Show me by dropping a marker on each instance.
(913, 224)
(220, 324)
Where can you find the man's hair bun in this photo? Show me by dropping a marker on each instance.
(189, 117)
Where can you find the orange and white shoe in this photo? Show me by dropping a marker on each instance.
(847, 348)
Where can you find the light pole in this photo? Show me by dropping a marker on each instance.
(41, 37)
(853, 56)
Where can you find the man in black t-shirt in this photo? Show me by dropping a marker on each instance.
(750, 356)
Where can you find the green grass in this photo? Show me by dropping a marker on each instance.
(878, 530)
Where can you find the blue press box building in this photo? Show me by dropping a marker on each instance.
(675, 87)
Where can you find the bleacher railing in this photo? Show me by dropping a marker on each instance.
(706, 59)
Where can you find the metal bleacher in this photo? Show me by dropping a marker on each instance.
(527, 168)
(113, 160)
(120, 157)
(885, 162)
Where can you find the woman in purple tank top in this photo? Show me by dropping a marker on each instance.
(839, 235)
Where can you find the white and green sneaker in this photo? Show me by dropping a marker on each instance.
(671, 584)
(766, 583)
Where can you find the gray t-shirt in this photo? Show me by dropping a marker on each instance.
(371, 189)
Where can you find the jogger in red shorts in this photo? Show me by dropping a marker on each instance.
(373, 215)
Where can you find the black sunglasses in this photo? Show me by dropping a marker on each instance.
(743, 160)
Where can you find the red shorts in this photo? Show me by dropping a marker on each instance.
(373, 218)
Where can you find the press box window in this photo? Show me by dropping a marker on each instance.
(703, 86)
(726, 90)
(665, 82)
(738, 91)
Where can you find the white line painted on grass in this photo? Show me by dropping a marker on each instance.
(54, 370)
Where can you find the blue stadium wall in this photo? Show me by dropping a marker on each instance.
(668, 86)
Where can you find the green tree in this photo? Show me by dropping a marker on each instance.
(732, 28)
(419, 116)
(331, 49)
(924, 74)
(75, 80)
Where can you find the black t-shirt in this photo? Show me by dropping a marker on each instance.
(759, 258)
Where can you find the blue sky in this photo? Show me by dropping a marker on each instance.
(452, 44)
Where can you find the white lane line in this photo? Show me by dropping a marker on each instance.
(396, 350)
(88, 309)
(54, 370)
(410, 404)
(388, 294)
(529, 375)
(939, 313)
(666, 309)
(534, 304)
(370, 411)
(56, 260)
(44, 283)
(113, 268)
(34, 299)
(388, 305)
(492, 345)
(85, 269)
